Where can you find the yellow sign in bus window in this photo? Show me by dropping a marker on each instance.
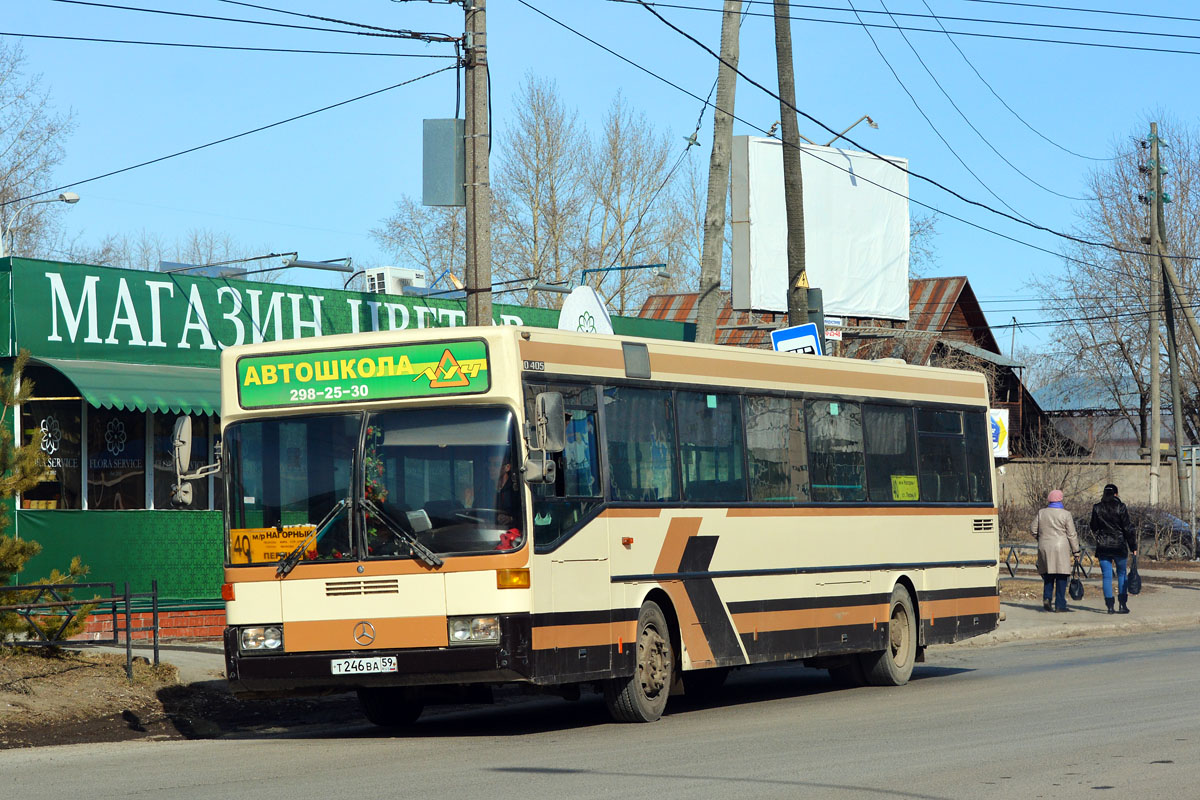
(258, 545)
(904, 487)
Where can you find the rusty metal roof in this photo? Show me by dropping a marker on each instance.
(681, 307)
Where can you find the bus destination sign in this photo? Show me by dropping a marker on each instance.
(388, 372)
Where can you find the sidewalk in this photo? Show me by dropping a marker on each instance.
(1169, 599)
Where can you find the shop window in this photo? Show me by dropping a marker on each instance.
(164, 461)
(59, 423)
(116, 474)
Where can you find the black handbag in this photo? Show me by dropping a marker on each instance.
(1133, 584)
(1075, 587)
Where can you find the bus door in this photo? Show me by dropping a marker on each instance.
(575, 543)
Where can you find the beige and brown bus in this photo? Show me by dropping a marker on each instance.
(419, 514)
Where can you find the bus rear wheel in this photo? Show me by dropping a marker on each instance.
(391, 706)
(893, 665)
(642, 697)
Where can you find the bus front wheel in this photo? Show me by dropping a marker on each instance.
(893, 665)
(642, 697)
(391, 707)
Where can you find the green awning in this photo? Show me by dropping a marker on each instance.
(113, 384)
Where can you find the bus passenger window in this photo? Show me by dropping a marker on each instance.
(891, 454)
(943, 456)
(710, 447)
(776, 451)
(835, 445)
(640, 436)
(979, 456)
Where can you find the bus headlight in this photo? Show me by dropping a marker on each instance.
(261, 639)
(474, 630)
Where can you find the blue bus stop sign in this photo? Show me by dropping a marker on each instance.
(803, 339)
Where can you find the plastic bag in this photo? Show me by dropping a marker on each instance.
(1133, 584)
(1075, 587)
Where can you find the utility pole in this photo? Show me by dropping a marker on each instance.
(1155, 305)
(1156, 173)
(718, 176)
(479, 193)
(793, 184)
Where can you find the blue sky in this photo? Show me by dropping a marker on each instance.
(318, 185)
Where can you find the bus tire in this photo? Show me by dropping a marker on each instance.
(893, 665)
(391, 706)
(642, 696)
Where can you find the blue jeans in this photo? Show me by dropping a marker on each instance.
(1056, 584)
(1106, 570)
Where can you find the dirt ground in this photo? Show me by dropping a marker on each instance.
(73, 697)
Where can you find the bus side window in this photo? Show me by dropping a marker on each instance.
(640, 441)
(836, 451)
(559, 507)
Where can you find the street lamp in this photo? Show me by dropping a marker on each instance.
(66, 197)
(870, 122)
(662, 271)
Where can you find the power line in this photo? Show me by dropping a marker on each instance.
(1004, 37)
(1011, 110)
(872, 153)
(394, 34)
(925, 116)
(975, 20)
(835, 165)
(970, 124)
(221, 46)
(228, 138)
(308, 16)
(1085, 10)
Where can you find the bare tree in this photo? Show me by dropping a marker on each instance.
(1102, 295)
(538, 185)
(628, 169)
(144, 250)
(922, 228)
(31, 146)
(429, 238)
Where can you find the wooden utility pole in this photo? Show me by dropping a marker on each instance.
(718, 176)
(793, 184)
(1169, 298)
(1155, 305)
(479, 194)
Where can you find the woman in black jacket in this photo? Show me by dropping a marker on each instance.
(1115, 540)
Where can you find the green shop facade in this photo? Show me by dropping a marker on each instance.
(117, 356)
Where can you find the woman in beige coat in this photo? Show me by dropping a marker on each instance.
(1058, 547)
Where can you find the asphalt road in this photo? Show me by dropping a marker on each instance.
(1055, 719)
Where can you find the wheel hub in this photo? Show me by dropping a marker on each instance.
(652, 661)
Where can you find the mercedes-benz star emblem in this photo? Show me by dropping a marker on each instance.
(364, 633)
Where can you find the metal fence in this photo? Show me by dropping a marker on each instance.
(1012, 559)
(53, 601)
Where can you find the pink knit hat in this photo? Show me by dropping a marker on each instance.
(1055, 496)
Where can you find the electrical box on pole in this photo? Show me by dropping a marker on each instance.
(443, 162)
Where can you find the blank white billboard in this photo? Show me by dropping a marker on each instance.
(856, 234)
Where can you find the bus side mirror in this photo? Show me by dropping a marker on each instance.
(550, 425)
(538, 468)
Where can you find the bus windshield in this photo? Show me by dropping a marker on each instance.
(434, 481)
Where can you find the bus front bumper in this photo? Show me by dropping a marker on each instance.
(312, 672)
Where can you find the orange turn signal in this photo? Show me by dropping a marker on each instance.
(512, 579)
(226, 591)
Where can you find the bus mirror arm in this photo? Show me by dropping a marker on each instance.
(538, 468)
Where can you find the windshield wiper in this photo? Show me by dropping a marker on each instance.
(422, 552)
(289, 562)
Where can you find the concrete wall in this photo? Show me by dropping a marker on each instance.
(1083, 481)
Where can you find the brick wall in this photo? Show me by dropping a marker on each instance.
(171, 625)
